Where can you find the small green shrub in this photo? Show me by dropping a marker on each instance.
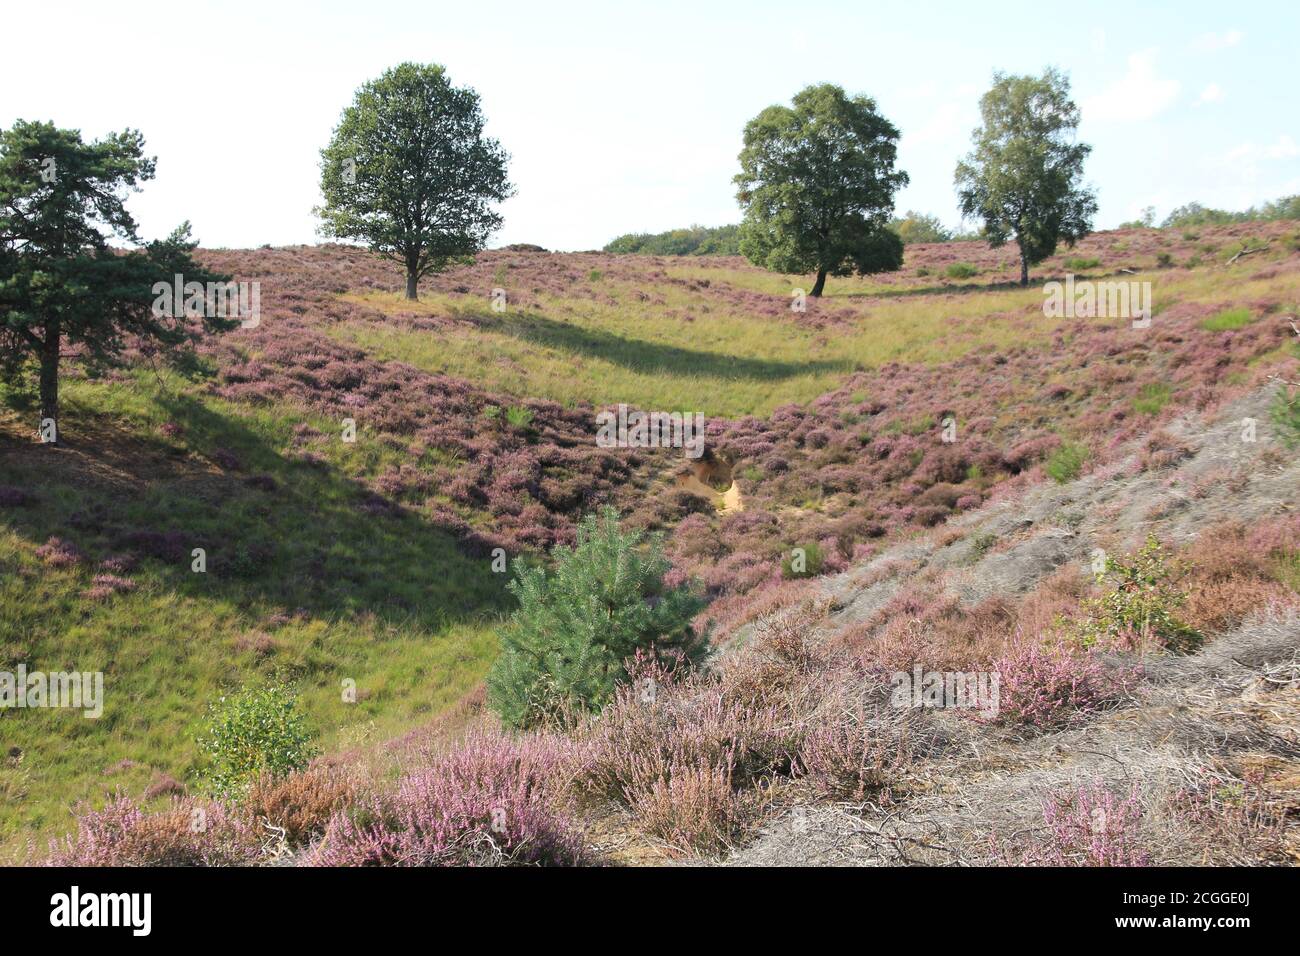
(1286, 415)
(1078, 263)
(804, 561)
(923, 271)
(595, 275)
(1228, 319)
(256, 732)
(961, 270)
(1140, 604)
(564, 651)
(519, 417)
(1066, 462)
(1164, 260)
(1151, 398)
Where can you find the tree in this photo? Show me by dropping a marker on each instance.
(817, 186)
(1023, 177)
(61, 284)
(918, 227)
(409, 172)
(564, 649)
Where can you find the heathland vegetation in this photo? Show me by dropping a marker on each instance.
(365, 589)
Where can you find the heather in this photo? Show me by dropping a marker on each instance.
(374, 561)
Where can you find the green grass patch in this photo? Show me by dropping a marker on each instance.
(1228, 319)
(1151, 398)
(1066, 462)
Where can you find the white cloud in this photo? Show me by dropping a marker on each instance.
(1218, 41)
(1211, 94)
(1139, 95)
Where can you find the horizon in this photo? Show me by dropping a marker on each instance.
(1179, 105)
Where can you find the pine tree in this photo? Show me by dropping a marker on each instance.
(564, 650)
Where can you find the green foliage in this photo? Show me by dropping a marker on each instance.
(257, 731)
(817, 185)
(694, 241)
(1285, 412)
(1228, 319)
(919, 227)
(961, 270)
(1023, 179)
(1146, 221)
(62, 285)
(1141, 602)
(409, 172)
(1066, 462)
(564, 650)
(1151, 398)
(518, 417)
(1079, 263)
(1194, 214)
(805, 561)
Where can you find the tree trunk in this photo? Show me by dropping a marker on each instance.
(50, 377)
(819, 284)
(1024, 269)
(412, 282)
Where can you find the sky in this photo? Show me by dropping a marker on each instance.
(627, 117)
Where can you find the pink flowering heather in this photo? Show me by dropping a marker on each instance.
(1086, 825)
(188, 833)
(1048, 685)
(58, 553)
(492, 800)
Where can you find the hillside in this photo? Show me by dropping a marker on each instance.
(371, 561)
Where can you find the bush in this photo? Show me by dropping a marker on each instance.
(1066, 462)
(563, 651)
(492, 800)
(961, 270)
(1140, 606)
(805, 561)
(188, 833)
(254, 733)
(1286, 415)
(1048, 686)
(1078, 263)
(1087, 825)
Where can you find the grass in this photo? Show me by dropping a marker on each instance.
(1151, 398)
(1228, 319)
(1066, 463)
(723, 362)
(389, 602)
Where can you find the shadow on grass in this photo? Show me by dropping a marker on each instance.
(309, 539)
(641, 356)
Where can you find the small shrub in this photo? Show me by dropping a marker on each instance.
(563, 650)
(1164, 260)
(519, 418)
(1078, 263)
(1088, 825)
(1066, 462)
(1050, 685)
(1285, 412)
(805, 561)
(961, 270)
(302, 803)
(188, 833)
(1140, 606)
(490, 801)
(253, 733)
